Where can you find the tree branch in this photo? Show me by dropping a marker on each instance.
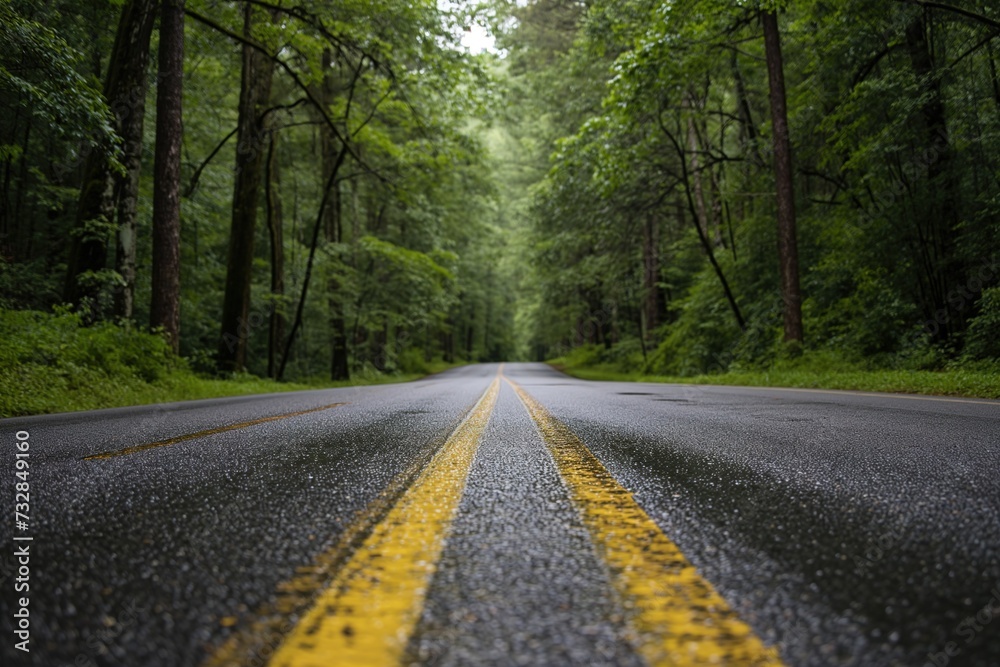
(979, 18)
(685, 179)
(295, 77)
(316, 22)
(193, 183)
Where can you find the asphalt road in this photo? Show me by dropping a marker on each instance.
(832, 528)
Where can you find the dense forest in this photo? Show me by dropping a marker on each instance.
(731, 183)
(319, 188)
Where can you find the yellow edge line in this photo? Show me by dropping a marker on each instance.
(367, 614)
(678, 616)
(201, 434)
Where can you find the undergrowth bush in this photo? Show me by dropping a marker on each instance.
(60, 342)
(51, 362)
(983, 338)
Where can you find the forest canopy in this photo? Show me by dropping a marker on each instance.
(307, 189)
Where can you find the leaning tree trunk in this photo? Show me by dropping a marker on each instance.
(788, 253)
(251, 134)
(165, 311)
(339, 368)
(125, 92)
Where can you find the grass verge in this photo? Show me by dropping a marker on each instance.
(30, 390)
(50, 363)
(972, 383)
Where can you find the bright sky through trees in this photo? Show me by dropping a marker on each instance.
(477, 39)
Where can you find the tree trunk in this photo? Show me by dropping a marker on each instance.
(677, 140)
(448, 340)
(339, 368)
(788, 254)
(699, 193)
(747, 127)
(994, 79)
(125, 92)
(320, 216)
(165, 304)
(941, 216)
(276, 330)
(469, 333)
(252, 135)
(707, 246)
(131, 130)
(651, 272)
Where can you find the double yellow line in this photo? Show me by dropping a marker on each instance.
(679, 617)
(368, 612)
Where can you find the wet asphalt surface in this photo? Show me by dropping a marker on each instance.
(845, 529)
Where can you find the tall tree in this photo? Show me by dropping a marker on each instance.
(939, 223)
(650, 275)
(252, 136)
(788, 253)
(103, 188)
(339, 369)
(164, 311)
(275, 225)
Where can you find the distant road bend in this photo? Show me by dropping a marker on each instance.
(511, 515)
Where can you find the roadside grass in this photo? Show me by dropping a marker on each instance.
(981, 381)
(50, 363)
(33, 390)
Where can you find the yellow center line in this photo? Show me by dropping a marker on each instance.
(368, 612)
(201, 434)
(678, 616)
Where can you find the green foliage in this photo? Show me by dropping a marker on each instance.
(38, 70)
(49, 359)
(702, 339)
(983, 341)
(50, 362)
(893, 167)
(60, 342)
(593, 186)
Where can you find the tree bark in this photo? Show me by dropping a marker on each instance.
(788, 254)
(941, 218)
(339, 367)
(699, 193)
(651, 273)
(276, 329)
(164, 309)
(252, 135)
(131, 130)
(994, 79)
(747, 126)
(102, 189)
